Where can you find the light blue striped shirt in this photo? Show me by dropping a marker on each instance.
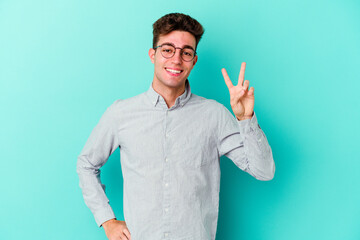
(170, 163)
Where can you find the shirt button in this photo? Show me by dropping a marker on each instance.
(166, 209)
(166, 159)
(166, 184)
(166, 234)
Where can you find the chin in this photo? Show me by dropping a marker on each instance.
(174, 83)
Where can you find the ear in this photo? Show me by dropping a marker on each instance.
(195, 60)
(152, 54)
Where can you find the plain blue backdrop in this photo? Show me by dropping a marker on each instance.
(62, 63)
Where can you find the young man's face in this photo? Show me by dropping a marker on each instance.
(172, 72)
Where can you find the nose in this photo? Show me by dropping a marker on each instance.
(177, 57)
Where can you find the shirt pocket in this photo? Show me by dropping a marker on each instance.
(136, 155)
(193, 150)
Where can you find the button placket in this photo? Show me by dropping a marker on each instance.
(166, 180)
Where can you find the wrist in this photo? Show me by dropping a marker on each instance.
(244, 117)
(108, 222)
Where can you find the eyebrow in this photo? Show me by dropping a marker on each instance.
(185, 46)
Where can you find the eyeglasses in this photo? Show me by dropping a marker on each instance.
(168, 51)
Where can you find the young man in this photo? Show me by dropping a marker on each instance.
(170, 144)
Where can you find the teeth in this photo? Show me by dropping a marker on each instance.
(173, 71)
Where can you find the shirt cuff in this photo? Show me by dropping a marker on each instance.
(104, 215)
(248, 125)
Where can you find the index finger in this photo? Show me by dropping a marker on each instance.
(226, 78)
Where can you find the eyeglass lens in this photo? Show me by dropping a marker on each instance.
(168, 51)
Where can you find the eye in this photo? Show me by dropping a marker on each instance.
(188, 53)
(167, 49)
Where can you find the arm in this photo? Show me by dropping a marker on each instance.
(100, 145)
(246, 145)
(242, 139)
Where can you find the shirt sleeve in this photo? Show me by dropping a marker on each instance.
(246, 145)
(100, 145)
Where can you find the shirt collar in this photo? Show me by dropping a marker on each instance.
(155, 97)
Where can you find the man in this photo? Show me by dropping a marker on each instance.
(170, 144)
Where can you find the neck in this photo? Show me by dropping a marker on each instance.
(169, 94)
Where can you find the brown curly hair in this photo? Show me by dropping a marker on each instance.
(176, 21)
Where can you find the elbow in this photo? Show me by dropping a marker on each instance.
(82, 165)
(79, 165)
(269, 175)
(269, 172)
(265, 173)
(85, 166)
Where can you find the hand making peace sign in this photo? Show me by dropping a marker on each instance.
(241, 98)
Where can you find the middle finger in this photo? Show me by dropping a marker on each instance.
(242, 74)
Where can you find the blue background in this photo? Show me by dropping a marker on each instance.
(62, 63)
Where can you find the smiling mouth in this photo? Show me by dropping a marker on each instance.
(173, 71)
